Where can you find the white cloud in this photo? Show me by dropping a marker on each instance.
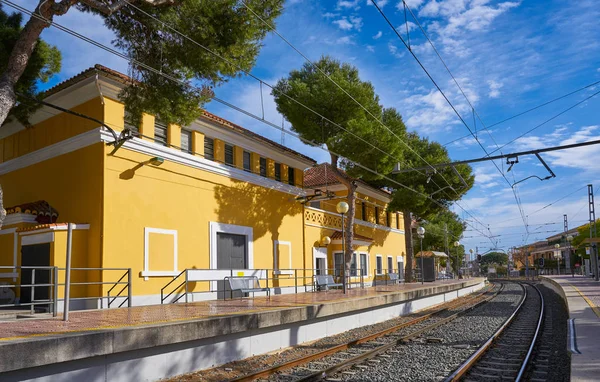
(349, 24)
(348, 4)
(413, 4)
(371, 48)
(346, 40)
(330, 15)
(394, 51)
(343, 24)
(494, 88)
(380, 3)
(378, 35)
(411, 27)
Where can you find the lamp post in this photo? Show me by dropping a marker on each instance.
(557, 257)
(569, 240)
(456, 244)
(342, 208)
(421, 234)
(470, 260)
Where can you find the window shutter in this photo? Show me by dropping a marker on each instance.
(209, 148)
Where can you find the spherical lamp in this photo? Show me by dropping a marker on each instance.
(325, 241)
(342, 207)
(421, 231)
(456, 243)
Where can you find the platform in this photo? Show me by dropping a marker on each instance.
(153, 342)
(583, 299)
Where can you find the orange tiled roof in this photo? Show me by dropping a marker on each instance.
(41, 226)
(45, 213)
(323, 175)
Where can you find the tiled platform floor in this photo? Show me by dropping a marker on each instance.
(80, 321)
(583, 298)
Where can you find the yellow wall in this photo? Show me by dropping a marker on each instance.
(50, 131)
(384, 242)
(177, 197)
(70, 183)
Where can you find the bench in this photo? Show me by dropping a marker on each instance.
(246, 284)
(392, 278)
(326, 281)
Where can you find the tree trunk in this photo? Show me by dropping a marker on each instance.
(349, 229)
(2, 211)
(19, 58)
(408, 276)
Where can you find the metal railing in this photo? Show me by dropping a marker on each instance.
(52, 301)
(300, 279)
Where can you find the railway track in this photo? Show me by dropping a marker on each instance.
(506, 355)
(320, 365)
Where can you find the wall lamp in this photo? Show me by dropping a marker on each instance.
(157, 161)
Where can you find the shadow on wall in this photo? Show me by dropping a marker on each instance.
(261, 208)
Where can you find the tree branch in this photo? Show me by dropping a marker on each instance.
(110, 9)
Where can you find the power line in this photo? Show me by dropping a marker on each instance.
(529, 110)
(293, 99)
(453, 108)
(546, 121)
(75, 34)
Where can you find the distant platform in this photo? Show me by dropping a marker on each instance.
(583, 299)
(158, 341)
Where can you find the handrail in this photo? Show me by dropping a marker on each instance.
(54, 285)
(127, 286)
(162, 290)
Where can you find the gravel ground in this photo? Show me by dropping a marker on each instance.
(237, 368)
(551, 360)
(422, 360)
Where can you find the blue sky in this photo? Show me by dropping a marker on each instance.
(508, 56)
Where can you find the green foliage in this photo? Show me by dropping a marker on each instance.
(435, 237)
(226, 27)
(43, 64)
(421, 205)
(493, 258)
(313, 89)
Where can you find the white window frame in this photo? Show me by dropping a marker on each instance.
(334, 264)
(216, 227)
(368, 273)
(320, 253)
(377, 270)
(400, 259)
(146, 273)
(390, 257)
(276, 244)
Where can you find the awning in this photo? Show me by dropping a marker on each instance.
(432, 254)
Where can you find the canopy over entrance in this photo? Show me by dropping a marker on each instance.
(432, 254)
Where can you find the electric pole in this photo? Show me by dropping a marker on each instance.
(593, 249)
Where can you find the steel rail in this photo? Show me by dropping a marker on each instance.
(535, 336)
(335, 349)
(472, 360)
(322, 374)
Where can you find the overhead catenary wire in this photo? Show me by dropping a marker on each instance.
(154, 70)
(274, 30)
(529, 110)
(512, 186)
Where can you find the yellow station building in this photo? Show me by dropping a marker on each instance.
(208, 196)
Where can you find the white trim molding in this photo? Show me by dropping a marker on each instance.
(177, 156)
(216, 227)
(276, 270)
(146, 273)
(18, 218)
(377, 270)
(60, 227)
(63, 147)
(39, 238)
(319, 253)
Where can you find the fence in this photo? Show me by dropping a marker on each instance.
(212, 281)
(26, 279)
